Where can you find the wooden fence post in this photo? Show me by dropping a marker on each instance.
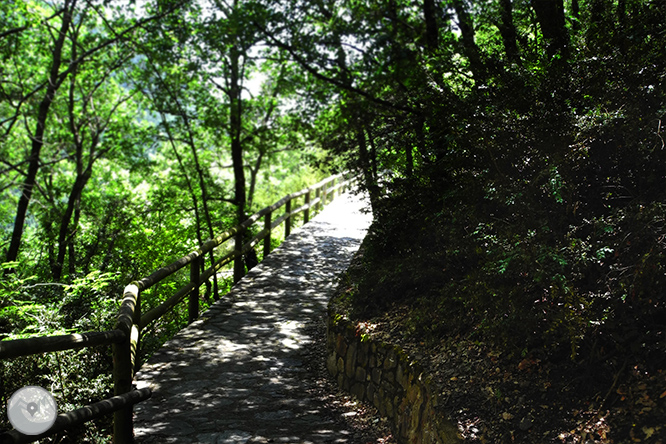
(122, 365)
(318, 204)
(306, 215)
(287, 222)
(267, 239)
(135, 337)
(193, 307)
(122, 419)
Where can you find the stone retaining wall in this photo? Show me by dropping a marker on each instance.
(382, 375)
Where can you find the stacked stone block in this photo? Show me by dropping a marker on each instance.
(382, 374)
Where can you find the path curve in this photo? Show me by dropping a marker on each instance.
(237, 375)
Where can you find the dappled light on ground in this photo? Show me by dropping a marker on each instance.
(238, 374)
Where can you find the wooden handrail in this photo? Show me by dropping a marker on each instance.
(170, 269)
(130, 322)
(79, 416)
(157, 312)
(32, 346)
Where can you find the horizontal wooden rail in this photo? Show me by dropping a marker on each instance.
(160, 310)
(157, 312)
(300, 209)
(255, 239)
(170, 269)
(79, 416)
(45, 344)
(279, 221)
(210, 244)
(164, 307)
(131, 322)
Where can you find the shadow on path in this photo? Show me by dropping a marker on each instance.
(238, 374)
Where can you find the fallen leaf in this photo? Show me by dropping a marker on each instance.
(507, 416)
(524, 364)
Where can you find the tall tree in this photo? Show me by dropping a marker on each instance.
(53, 83)
(507, 29)
(471, 49)
(430, 14)
(93, 100)
(233, 36)
(550, 14)
(65, 58)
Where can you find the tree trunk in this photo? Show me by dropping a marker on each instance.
(65, 234)
(254, 172)
(92, 249)
(71, 255)
(369, 178)
(432, 27)
(373, 153)
(575, 12)
(507, 30)
(38, 138)
(550, 15)
(470, 47)
(204, 202)
(188, 181)
(235, 127)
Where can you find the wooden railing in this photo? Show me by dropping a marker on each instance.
(131, 321)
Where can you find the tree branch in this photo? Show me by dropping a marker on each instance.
(118, 36)
(19, 29)
(11, 167)
(340, 84)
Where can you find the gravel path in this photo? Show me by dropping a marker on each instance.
(240, 374)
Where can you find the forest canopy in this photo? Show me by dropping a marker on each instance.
(513, 152)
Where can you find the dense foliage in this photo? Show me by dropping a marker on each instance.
(513, 151)
(522, 151)
(129, 134)
(514, 154)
